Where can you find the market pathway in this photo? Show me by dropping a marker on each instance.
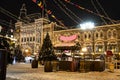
(23, 71)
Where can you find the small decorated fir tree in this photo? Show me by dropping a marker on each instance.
(47, 50)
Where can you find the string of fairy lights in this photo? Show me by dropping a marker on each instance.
(98, 11)
(87, 10)
(8, 26)
(104, 11)
(6, 23)
(49, 12)
(97, 2)
(10, 14)
(69, 10)
(3, 22)
(59, 3)
(65, 12)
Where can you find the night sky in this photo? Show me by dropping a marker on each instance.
(111, 7)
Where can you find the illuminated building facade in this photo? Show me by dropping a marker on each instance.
(31, 30)
(98, 40)
(30, 35)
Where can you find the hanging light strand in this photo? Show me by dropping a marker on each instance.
(49, 12)
(104, 11)
(69, 10)
(6, 12)
(98, 11)
(82, 8)
(65, 12)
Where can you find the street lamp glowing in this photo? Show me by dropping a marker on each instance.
(119, 53)
(82, 54)
(87, 25)
(35, 53)
(11, 36)
(26, 50)
(84, 49)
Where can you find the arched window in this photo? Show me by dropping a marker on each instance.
(85, 36)
(33, 38)
(27, 38)
(30, 38)
(114, 33)
(101, 34)
(89, 35)
(96, 35)
(109, 34)
(78, 36)
(24, 39)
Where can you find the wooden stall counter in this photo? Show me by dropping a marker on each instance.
(92, 65)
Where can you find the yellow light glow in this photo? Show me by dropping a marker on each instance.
(26, 50)
(82, 53)
(93, 53)
(84, 49)
(35, 53)
(119, 53)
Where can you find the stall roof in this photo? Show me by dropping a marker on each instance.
(67, 46)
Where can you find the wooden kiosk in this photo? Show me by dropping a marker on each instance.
(67, 59)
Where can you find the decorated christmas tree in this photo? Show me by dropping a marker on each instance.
(47, 50)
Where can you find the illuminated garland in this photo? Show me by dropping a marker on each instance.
(82, 8)
(3, 22)
(10, 14)
(40, 4)
(65, 12)
(103, 10)
(98, 11)
(69, 10)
